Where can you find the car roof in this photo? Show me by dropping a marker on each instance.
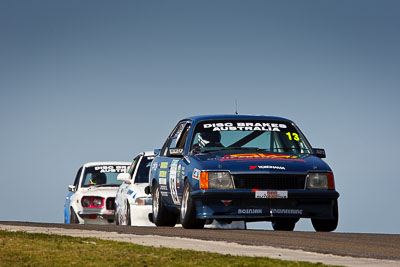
(97, 163)
(235, 117)
(148, 153)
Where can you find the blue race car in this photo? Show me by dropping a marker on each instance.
(241, 168)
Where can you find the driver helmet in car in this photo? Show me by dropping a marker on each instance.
(98, 178)
(209, 139)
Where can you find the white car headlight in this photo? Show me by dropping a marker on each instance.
(216, 180)
(317, 180)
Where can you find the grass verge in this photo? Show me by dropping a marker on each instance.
(26, 249)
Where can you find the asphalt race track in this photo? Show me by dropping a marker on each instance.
(377, 246)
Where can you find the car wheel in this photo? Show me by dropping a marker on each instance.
(74, 218)
(327, 225)
(161, 215)
(116, 217)
(188, 210)
(128, 214)
(284, 224)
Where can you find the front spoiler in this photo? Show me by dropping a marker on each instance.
(95, 215)
(242, 205)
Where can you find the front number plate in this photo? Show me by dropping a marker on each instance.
(271, 194)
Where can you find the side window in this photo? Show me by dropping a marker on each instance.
(177, 138)
(182, 140)
(78, 175)
(133, 166)
(142, 174)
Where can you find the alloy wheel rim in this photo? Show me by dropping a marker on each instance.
(155, 203)
(184, 203)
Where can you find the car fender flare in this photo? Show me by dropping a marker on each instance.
(76, 206)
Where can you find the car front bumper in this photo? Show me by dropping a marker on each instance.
(243, 205)
(97, 217)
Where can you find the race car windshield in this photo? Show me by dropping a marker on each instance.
(253, 135)
(103, 175)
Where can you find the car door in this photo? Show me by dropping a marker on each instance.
(124, 189)
(170, 164)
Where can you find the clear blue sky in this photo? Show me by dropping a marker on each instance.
(88, 81)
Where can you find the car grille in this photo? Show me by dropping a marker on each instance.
(110, 203)
(269, 181)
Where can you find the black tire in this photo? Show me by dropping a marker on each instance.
(73, 217)
(284, 224)
(116, 217)
(161, 215)
(327, 225)
(128, 214)
(188, 210)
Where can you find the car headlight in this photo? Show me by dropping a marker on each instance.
(143, 201)
(321, 181)
(98, 202)
(215, 180)
(92, 202)
(86, 202)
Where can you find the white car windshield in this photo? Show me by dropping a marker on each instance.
(103, 175)
(251, 135)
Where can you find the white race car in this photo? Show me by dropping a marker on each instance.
(132, 204)
(91, 198)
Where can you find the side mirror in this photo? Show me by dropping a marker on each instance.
(319, 152)
(147, 190)
(157, 151)
(175, 152)
(71, 188)
(124, 177)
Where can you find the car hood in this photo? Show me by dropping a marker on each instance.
(100, 191)
(260, 162)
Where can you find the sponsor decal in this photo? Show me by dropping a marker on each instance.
(172, 181)
(226, 202)
(175, 151)
(196, 174)
(154, 166)
(164, 194)
(162, 174)
(249, 211)
(162, 181)
(271, 194)
(260, 156)
(164, 165)
(287, 211)
(130, 192)
(268, 167)
(163, 188)
(112, 168)
(245, 126)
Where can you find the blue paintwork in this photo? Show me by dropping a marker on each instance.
(314, 203)
(67, 209)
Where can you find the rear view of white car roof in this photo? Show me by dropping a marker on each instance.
(91, 164)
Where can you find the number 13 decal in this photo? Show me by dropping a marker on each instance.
(293, 136)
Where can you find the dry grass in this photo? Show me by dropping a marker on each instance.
(25, 249)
